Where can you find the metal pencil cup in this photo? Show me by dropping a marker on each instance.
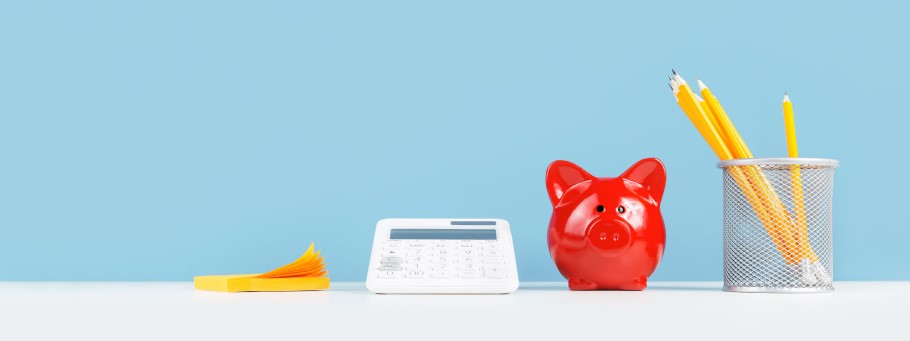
(778, 224)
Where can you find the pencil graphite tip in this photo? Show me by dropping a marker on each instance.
(786, 97)
(674, 72)
(679, 80)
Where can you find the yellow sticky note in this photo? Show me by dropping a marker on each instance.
(305, 273)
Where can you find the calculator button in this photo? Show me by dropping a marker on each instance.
(389, 274)
(417, 253)
(493, 260)
(441, 274)
(440, 260)
(390, 267)
(442, 253)
(416, 259)
(416, 274)
(467, 266)
(443, 266)
(466, 259)
(393, 254)
(494, 268)
(490, 253)
(494, 274)
(391, 260)
(411, 266)
(467, 274)
(466, 253)
(416, 245)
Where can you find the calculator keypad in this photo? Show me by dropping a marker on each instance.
(442, 259)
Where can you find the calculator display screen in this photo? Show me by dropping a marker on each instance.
(456, 234)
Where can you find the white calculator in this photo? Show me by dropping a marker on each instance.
(442, 256)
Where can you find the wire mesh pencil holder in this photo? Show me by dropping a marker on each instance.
(778, 232)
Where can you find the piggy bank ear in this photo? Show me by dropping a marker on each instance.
(650, 174)
(561, 175)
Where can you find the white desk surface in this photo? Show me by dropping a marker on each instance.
(175, 311)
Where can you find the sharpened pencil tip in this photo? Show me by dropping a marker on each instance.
(701, 86)
(679, 80)
(786, 97)
(674, 71)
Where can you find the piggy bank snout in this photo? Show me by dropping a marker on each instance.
(610, 236)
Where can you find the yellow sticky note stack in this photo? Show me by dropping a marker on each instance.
(305, 273)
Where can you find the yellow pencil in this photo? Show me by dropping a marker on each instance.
(688, 101)
(749, 178)
(801, 231)
(790, 127)
(788, 231)
(740, 150)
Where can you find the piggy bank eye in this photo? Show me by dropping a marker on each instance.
(600, 208)
(620, 209)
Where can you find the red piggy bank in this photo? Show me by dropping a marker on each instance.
(606, 233)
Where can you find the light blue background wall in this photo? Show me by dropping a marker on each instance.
(159, 140)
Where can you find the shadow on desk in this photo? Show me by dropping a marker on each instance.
(705, 287)
(655, 286)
